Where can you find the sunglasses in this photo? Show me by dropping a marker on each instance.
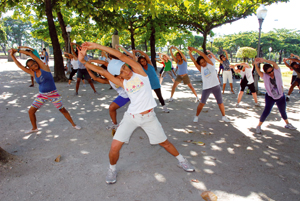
(270, 71)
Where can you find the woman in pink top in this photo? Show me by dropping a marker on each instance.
(274, 87)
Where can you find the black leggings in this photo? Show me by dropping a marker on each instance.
(159, 96)
(72, 73)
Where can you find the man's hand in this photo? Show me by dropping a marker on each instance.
(89, 45)
(81, 54)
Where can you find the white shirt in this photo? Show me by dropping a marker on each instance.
(294, 73)
(209, 75)
(248, 74)
(139, 91)
(119, 89)
(74, 64)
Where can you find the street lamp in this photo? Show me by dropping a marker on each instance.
(270, 50)
(68, 30)
(261, 14)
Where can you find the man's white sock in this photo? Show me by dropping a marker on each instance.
(112, 167)
(180, 158)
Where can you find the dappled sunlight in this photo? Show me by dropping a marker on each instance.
(160, 177)
(84, 152)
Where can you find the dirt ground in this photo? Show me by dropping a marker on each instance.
(235, 163)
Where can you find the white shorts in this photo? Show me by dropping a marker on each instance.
(148, 122)
(227, 75)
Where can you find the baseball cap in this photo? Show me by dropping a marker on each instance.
(114, 66)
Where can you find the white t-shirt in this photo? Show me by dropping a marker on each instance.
(209, 75)
(103, 58)
(139, 91)
(294, 73)
(74, 64)
(119, 89)
(248, 74)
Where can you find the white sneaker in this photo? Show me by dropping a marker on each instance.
(258, 130)
(195, 120)
(112, 126)
(197, 100)
(225, 119)
(165, 109)
(237, 105)
(171, 99)
(257, 104)
(77, 127)
(290, 126)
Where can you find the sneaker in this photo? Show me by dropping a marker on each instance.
(197, 100)
(186, 166)
(257, 104)
(287, 98)
(96, 92)
(165, 109)
(195, 120)
(111, 176)
(112, 126)
(77, 127)
(84, 85)
(76, 94)
(31, 131)
(68, 85)
(171, 99)
(237, 105)
(290, 126)
(258, 129)
(225, 119)
(232, 92)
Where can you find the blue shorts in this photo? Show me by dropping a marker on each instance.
(120, 101)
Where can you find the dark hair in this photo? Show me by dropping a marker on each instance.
(199, 59)
(113, 56)
(266, 67)
(222, 55)
(179, 54)
(44, 49)
(293, 63)
(76, 52)
(28, 61)
(140, 58)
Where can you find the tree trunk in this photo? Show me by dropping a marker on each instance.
(204, 42)
(146, 45)
(59, 73)
(132, 38)
(63, 29)
(4, 49)
(280, 56)
(152, 46)
(4, 156)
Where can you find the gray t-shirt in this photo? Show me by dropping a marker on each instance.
(226, 65)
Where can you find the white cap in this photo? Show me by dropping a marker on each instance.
(114, 66)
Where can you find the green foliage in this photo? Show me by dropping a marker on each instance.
(246, 53)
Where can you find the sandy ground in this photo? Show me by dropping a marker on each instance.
(236, 164)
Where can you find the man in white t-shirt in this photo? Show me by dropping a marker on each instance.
(210, 82)
(140, 112)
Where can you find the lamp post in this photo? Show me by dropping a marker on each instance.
(270, 50)
(261, 13)
(68, 30)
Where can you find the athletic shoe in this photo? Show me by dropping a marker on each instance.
(96, 92)
(186, 166)
(76, 94)
(84, 85)
(195, 120)
(287, 98)
(33, 86)
(290, 126)
(237, 105)
(31, 131)
(197, 99)
(112, 126)
(77, 127)
(257, 104)
(68, 85)
(171, 99)
(225, 119)
(258, 129)
(165, 109)
(111, 176)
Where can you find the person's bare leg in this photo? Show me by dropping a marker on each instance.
(174, 87)
(160, 80)
(254, 97)
(199, 108)
(169, 147)
(114, 152)
(222, 109)
(77, 84)
(113, 112)
(67, 115)
(192, 88)
(92, 84)
(240, 97)
(231, 87)
(32, 81)
(292, 88)
(32, 117)
(224, 85)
